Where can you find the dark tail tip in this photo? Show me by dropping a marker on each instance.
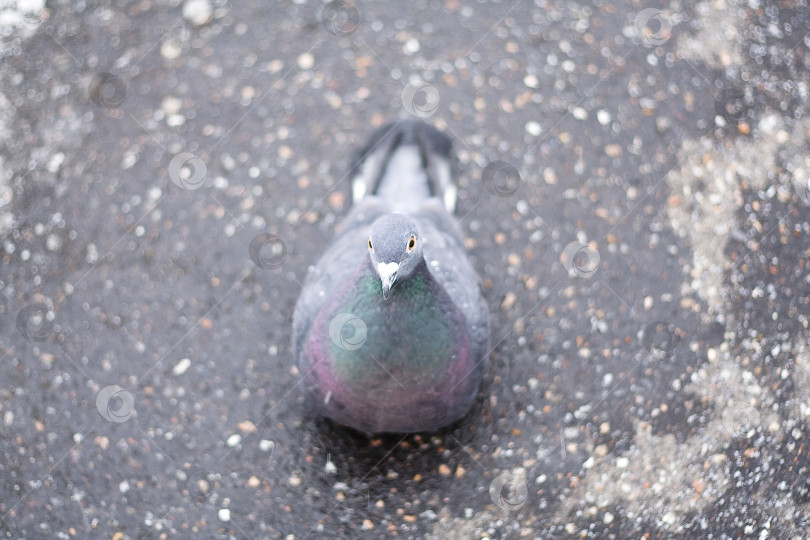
(436, 148)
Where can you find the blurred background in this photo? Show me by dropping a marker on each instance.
(633, 191)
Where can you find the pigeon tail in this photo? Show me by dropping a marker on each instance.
(405, 163)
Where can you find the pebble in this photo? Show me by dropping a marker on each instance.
(336, 200)
(171, 105)
(541, 479)
(224, 514)
(533, 128)
(233, 440)
(274, 66)
(411, 46)
(662, 124)
(53, 242)
(246, 426)
(102, 442)
(197, 12)
(181, 366)
(508, 300)
(55, 163)
(170, 49)
(306, 60)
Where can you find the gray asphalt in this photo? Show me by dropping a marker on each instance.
(634, 192)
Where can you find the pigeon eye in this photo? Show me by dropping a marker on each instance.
(411, 243)
(369, 244)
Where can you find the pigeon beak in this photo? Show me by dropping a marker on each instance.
(388, 274)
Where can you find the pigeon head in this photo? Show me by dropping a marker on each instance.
(395, 249)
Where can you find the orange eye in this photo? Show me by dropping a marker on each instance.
(369, 244)
(411, 243)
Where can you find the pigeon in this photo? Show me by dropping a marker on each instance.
(391, 331)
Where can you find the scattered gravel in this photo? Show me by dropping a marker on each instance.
(167, 177)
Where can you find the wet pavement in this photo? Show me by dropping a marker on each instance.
(634, 192)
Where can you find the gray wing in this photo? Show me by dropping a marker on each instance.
(340, 260)
(449, 263)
